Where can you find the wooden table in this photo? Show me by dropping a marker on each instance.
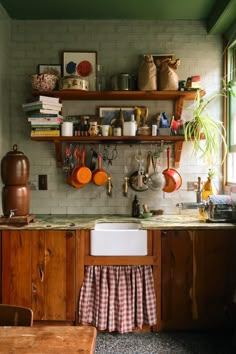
(48, 340)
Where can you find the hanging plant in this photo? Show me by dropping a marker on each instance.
(203, 130)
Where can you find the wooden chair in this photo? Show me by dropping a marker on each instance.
(11, 315)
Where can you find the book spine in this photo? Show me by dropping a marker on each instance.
(45, 127)
(45, 133)
(45, 120)
(42, 106)
(46, 99)
(49, 99)
(44, 115)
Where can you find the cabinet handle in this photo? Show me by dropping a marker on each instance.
(41, 272)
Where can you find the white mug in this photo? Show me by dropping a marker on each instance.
(105, 130)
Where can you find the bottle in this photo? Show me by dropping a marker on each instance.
(100, 79)
(135, 207)
(154, 130)
(209, 187)
(129, 128)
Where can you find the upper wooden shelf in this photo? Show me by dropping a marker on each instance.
(119, 95)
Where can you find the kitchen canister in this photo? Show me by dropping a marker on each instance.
(15, 175)
(15, 167)
(67, 129)
(129, 128)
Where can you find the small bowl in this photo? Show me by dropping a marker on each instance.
(146, 215)
(157, 212)
(44, 82)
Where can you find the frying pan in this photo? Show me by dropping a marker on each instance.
(134, 182)
(172, 177)
(100, 176)
(156, 180)
(91, 159)
(83, 174)
(74, 183)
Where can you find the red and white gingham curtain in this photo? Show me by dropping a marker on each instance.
(118, 298)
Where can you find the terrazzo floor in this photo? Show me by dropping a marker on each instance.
(165, 343)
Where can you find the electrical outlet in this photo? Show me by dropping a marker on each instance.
(43, 182)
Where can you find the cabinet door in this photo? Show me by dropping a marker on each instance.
(176, 279)
(38, 271)
(214, 283)
(59, 263)
(16, 267)
(198, 279)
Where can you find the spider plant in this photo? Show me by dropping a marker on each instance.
(205, 132)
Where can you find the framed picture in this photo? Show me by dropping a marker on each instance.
(50, 69)
(110, 114)
(82, 64)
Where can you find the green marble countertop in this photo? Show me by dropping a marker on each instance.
(74, 222)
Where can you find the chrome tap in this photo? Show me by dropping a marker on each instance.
(12, 213)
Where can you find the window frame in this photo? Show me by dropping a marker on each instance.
(231, 76)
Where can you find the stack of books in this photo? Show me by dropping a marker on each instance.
(44, 115)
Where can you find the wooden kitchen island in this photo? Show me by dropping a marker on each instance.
(193, 265)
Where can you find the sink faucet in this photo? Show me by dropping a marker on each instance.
(194, 205)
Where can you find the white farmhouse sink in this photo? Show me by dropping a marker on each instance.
(118, 239)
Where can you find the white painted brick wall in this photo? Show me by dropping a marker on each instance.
(119, 45)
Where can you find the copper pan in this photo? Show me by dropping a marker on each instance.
(172, 177)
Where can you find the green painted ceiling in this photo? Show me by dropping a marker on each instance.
(218, 14)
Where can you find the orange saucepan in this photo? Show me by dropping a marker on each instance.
(100, 176)
(83, 174)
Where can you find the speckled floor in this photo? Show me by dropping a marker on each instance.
(165, 343)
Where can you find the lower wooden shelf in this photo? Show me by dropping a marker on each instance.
(138, 139)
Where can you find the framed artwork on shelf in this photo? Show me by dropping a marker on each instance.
(50, 69)
(110, 114)
(81, 64)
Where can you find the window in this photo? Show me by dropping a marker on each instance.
(231, 159)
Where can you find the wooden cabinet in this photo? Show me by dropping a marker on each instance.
(198, 279)
(38, 271)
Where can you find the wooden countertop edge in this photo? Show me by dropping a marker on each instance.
(73, 222)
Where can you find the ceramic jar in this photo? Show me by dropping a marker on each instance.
(15, 176)
(15, 168)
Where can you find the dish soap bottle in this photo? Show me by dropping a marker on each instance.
(209, 187)
(135, 207)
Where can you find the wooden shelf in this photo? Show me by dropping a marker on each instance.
(178, 97)
(119, 95)
(142, 139)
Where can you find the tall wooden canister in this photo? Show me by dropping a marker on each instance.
(15, 176)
